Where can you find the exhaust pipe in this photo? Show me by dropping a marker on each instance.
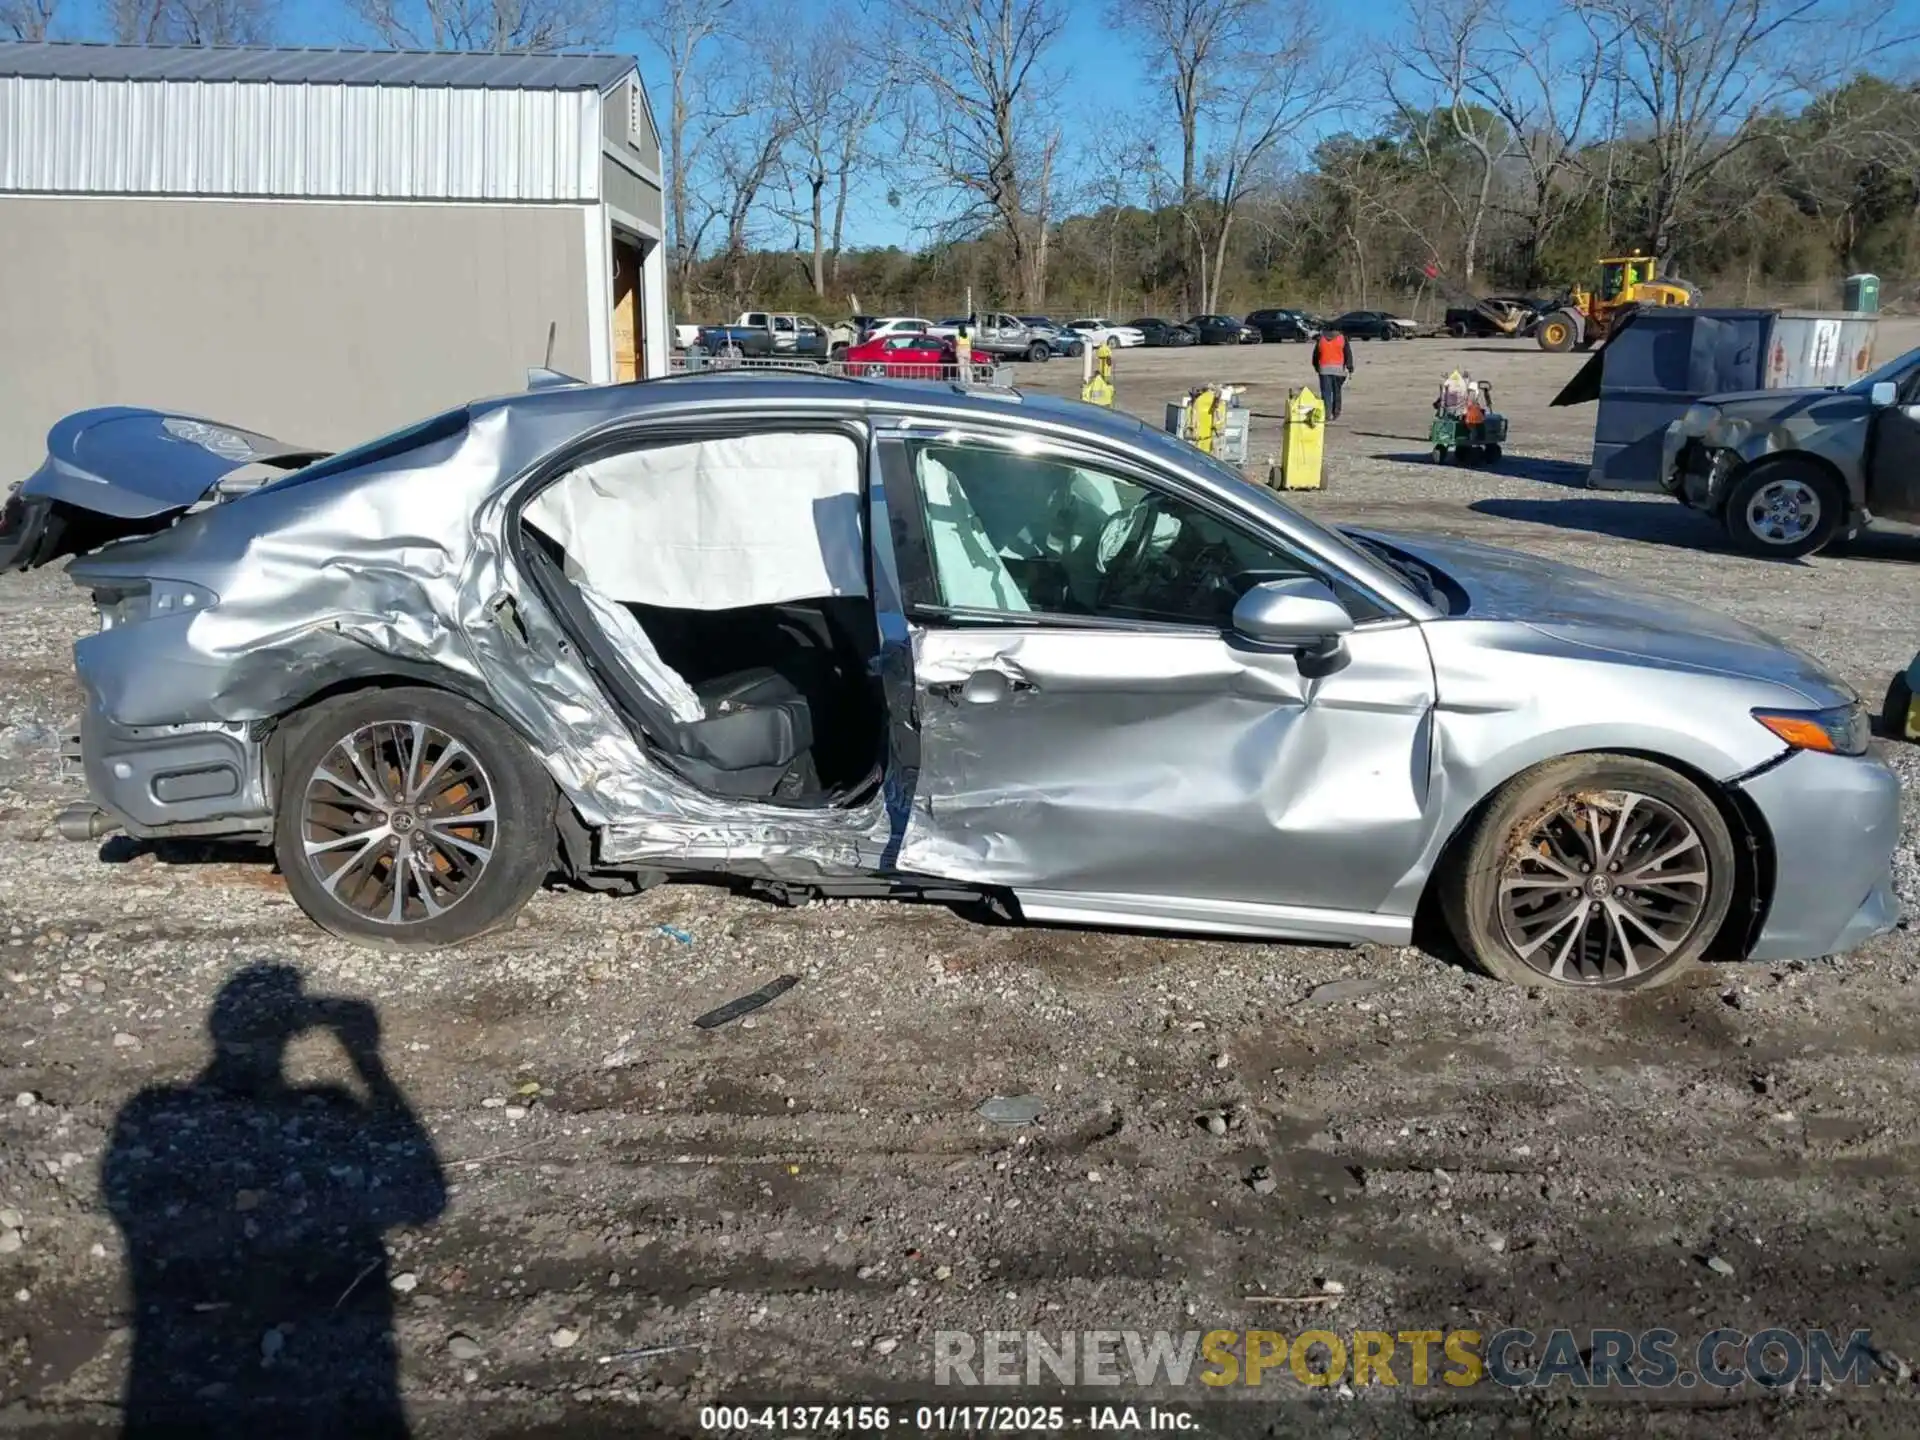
(85, 822)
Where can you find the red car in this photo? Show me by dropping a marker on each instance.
(912, 356)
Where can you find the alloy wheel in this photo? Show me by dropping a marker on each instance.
(1783, 511)
(398, 822)
(1603, 887)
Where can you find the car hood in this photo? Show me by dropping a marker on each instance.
(1580, 608)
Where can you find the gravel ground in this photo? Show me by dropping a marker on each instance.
(538, 1163)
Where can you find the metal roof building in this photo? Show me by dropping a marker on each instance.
(318, 244)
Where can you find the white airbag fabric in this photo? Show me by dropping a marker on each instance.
(637, 653)
(715, 524)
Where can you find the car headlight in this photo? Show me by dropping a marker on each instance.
(1843, 730)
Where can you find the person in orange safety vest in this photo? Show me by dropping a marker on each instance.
(1333, 358)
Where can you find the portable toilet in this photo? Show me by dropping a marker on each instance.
(1861, 294)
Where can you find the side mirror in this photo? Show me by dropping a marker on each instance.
(1884, 394)
(1297, 614)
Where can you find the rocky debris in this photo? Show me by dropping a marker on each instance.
(464, 1347)
(1718, 1265)
(1340, 992)
(1261, 1180)
(564, 1338)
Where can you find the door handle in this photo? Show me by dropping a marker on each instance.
(983, 687)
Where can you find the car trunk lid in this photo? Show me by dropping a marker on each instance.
(120, 471)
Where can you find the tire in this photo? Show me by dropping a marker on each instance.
(1039, 352)
(1559, 333)
(1457, 329)
(1493, 454)
(1439, 454)
(495, 773)
(1783, 509)
(1254, 339)
(1535, 831)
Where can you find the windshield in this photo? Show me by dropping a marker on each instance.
(1893, 371)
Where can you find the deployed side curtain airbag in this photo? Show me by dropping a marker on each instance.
(713, 524)
(638, 654)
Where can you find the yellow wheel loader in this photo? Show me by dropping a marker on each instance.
(1586, 317)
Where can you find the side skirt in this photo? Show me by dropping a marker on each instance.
(1215, 917)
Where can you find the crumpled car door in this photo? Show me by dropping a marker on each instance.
(1103, 773)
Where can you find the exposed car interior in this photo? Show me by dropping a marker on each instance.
(1020, 533)
(721, 584)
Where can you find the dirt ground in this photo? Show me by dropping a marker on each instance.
(562, 1170)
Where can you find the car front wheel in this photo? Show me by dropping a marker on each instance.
(1592, 872)
(411, 818)
(1783, 509)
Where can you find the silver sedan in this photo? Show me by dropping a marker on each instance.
(864, 637)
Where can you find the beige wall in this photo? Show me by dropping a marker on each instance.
(317, 323)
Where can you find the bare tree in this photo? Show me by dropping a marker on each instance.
(984, 131)
(1705, 79)
(1543, 78)
(1245, 77)
(836, 93)
(1433, 79)
(1192, 48)
(191, 22)
(695, 37)
(27, 19)
(495, 25)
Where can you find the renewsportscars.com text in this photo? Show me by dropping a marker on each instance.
(1515, 1358)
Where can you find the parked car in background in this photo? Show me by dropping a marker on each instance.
(1223, 330)
(1788, 471)
(1591, 784)
(760, 334)
(1281, 325)
(1496, 317)
(685, 337)
(1096, 331)
(909, 355)
(846, 334)
(1372, 325)
(1164, 332)
(1061, 340)
(1004, 336)
(895, 325)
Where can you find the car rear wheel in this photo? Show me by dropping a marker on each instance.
(1039, 351)
(411, 818)
(1593, 872)
(1783, 509)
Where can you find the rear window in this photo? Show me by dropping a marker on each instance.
(414, 437)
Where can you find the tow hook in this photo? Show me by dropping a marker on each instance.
(85, 822)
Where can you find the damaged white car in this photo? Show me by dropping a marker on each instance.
(859, 637)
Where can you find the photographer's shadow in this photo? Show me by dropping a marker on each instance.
(254, 1213)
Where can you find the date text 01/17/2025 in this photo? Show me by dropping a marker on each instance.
(935, 1419)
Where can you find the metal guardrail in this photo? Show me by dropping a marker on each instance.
(980, 373)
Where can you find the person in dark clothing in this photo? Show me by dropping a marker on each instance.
(1333, 359)
(253, 1213)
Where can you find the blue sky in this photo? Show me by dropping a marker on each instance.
(1098, 74)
